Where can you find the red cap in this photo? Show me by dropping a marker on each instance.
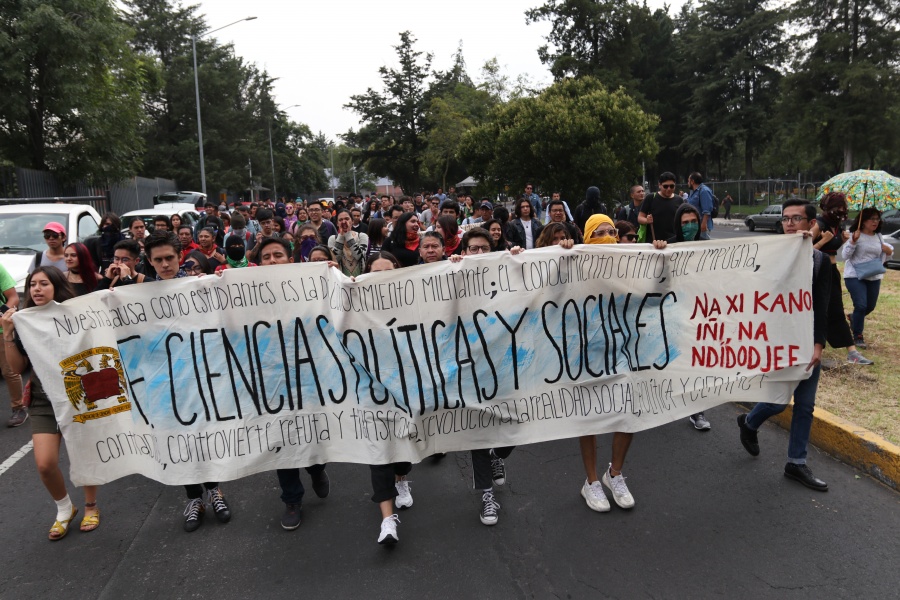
(55, 227)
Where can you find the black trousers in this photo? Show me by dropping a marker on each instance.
(195, 490)
(291, 487)
(481, 466)
(838, 334)
(383, 479)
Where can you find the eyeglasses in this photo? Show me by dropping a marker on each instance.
(605, 232)
(307, 237)
(122, 259)
(795, 219)
(192, 269)
(478, 249)
(51, 236)
(668, 186)
(631, 237)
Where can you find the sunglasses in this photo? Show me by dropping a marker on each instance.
(630, 237)
(51, 236)
(668, 186)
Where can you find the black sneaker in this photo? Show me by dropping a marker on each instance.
(859, 341)
(498, 469)
(292, 517)
(193, 513)
(217, 501)
(749, 438)
(804, 475)
(321, 484)
(489, 514)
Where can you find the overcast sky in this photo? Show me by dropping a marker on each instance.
(322, 52)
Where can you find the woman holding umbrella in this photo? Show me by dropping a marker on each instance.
(864, 255)
(829, 236)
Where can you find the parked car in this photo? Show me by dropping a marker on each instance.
(187, 212)
(770, 218)
(193, 198)
(894, 240)
(22, 227)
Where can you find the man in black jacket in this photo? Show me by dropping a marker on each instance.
(797, 216)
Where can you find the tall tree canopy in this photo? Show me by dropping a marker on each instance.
(391, 140)
(71, 89)
(573, 135)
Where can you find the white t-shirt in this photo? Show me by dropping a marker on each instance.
(529, 237)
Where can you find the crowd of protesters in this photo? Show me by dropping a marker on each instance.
(364, 234)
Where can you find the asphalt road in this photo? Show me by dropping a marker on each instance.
(709, 522)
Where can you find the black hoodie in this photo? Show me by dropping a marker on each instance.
(590, 206)
(679, 235)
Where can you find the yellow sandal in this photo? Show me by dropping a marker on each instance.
(61, 528)
(90, 522)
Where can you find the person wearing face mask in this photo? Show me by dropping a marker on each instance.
(687, 229)
(235, 255)
(239, 228)
(828, 236)
(307, 238)
(687, 225)
(600, 229)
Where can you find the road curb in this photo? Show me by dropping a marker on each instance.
(850, 443)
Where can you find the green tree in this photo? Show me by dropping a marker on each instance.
(449, 117)
(589, 37)
(573, 135)
(734, 50)
(71, 89)
(391, 140)
(846, 80)
(237, 107)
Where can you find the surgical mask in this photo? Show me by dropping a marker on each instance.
(235, 252)
(690, 231)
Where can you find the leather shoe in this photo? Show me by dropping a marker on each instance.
(748, 436)
(804, 475)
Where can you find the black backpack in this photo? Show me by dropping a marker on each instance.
(715, 209)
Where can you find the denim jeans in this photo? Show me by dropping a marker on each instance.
(291, 487)
(864, 294)
(801, 421)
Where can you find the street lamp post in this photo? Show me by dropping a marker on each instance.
(332, 172)
(194, 39)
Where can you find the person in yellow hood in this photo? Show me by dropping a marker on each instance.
(600, 229)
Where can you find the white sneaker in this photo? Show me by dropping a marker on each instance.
(388, 533)
(620, 493)
(404, 494)
(594, 496)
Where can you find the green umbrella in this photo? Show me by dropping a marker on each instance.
(865, 188)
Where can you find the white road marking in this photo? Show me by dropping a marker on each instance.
(16, 457)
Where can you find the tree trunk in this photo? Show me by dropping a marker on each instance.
(848, 157)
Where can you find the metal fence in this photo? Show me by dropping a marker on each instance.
(752, 192)
(17, 183)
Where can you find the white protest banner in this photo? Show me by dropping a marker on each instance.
(214, 378)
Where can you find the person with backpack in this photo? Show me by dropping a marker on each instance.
(658, 210)
(704, 201)
(630, 212)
